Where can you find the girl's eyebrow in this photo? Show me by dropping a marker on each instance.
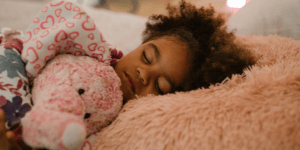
(157, 54)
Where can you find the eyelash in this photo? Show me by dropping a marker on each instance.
(158, 89)
(144, 55)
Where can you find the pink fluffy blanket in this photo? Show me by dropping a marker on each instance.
(257, 110)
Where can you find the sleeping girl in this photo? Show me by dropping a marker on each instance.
(187, 49)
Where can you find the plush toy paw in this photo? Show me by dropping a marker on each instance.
(74, 136)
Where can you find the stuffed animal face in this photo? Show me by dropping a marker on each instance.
(80, 85)
(99, 88)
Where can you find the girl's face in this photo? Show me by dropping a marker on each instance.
(155, 67)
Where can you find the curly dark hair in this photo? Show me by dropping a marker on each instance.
(213, 53)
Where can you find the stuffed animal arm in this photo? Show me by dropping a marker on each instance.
(73, 97)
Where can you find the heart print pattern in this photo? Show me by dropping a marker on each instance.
(57, 25)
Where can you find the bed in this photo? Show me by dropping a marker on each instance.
(256, 110)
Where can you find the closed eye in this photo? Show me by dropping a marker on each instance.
(145, 58)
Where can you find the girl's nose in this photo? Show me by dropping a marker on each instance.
(143, 75)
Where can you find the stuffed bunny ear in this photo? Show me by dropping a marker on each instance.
(62, 27)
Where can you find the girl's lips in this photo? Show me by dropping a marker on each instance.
(131, 82)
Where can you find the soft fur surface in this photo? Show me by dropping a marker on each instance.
(258, 111)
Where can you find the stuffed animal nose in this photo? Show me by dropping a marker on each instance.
(87, 115)
(80, 91)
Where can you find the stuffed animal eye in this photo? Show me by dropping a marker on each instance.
(80, 91)
(87, 115)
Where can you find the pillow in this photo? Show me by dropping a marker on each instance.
(123, 30)
(258, 111)
(265, 17)
(14, 15)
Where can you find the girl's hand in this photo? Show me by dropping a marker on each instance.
(7, 139)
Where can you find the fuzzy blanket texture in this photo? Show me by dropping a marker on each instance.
(257, 111)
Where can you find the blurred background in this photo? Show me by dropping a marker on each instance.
(148, 7)
(122, 21)
(14, 11)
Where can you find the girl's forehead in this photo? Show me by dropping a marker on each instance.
(172, 49)
(174, 60)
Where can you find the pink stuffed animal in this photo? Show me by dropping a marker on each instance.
(73, 97)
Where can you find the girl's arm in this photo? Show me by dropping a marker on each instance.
(7, 139)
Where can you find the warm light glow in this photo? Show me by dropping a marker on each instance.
(236, 3)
